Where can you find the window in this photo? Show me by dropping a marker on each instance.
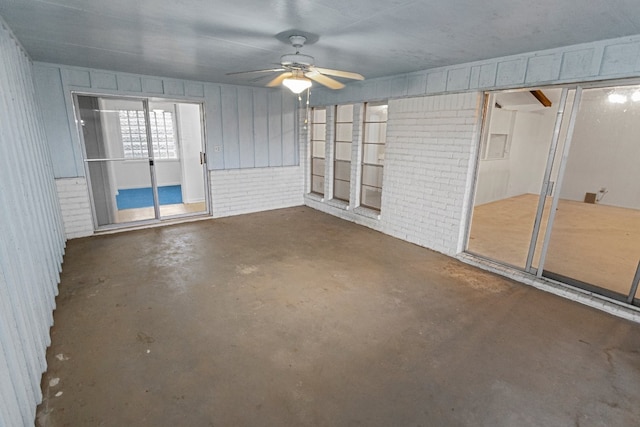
(373, 143)
(134, 134)
(498, 141)
(497, 146)
(318, 137)
(342, 153)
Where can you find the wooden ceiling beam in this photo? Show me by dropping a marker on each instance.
(541, 97)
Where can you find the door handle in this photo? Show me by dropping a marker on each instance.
(203, 158)
(634, 285)
(550, 188)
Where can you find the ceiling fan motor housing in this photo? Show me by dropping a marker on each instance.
(297, 41)
(299, 68)
(296, 59)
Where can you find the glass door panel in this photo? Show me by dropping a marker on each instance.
(553, 168)
(514, 153)
(176, 137)
(595, 238)
(117, 159)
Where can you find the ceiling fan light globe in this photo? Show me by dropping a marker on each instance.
(297, 85)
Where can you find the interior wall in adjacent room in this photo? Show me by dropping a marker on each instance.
(604, 152)
(522, 170)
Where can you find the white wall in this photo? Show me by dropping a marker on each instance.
(136, 174)
(235, 192)
(528, 157)
(605, 151)
(522, 171)
(190, 144)
(31, 238)
(75, 206)
(430, 148)
(494, 174)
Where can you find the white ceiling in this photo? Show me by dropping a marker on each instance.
(205, 39)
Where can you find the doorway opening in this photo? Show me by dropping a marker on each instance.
(144, 159)
(556, 186)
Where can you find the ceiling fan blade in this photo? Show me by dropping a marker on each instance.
(270, 70)
(338, 73)
(259, 77)
(324, 80)
(278, 80)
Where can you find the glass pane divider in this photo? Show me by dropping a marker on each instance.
(547, 178)
(561, 171)
(154, 181)
(634, 285)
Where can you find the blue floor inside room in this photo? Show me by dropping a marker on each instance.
(133, 198)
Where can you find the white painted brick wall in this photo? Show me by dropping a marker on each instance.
(75, 205)
(430, 142)
(240, 191)
(233, 192)
(426, 184)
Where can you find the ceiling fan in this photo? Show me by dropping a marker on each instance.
(298, 70)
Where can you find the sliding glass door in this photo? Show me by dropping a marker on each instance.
(176, 136)
(144, 159)
(109, 169)
(519, 141)
(594, 240)
(556, 186)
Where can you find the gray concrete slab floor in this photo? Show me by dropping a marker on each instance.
(296, 318)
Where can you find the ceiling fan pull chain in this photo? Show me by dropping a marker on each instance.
(306, 116)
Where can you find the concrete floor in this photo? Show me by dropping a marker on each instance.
(297, 318)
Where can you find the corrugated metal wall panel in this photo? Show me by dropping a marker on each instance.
(31, 238)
